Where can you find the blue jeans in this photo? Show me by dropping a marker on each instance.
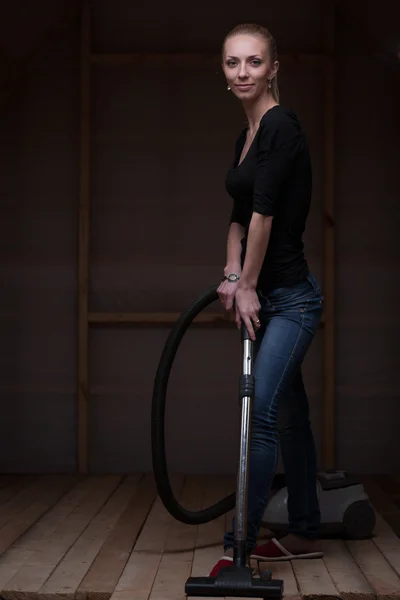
(290, 317)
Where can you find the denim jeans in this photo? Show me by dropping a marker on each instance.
(289, 317)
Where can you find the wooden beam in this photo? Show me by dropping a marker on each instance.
(328, 454)
(157, 318)
(192, 59)
(161, 319)
(83, 242)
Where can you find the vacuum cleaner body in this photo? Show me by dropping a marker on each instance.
(345, 507)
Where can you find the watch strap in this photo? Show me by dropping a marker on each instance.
(232, 278)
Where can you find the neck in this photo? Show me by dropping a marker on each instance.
(255, 111)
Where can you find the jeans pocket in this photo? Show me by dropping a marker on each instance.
(264, 301)
(315, 286)
(301, 297)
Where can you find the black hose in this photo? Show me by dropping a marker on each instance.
(160, 468)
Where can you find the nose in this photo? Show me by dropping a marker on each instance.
(242, 70)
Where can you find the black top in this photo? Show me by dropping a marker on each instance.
(274, 179)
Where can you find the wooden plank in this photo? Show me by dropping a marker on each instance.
(161, 318)
(71, 570)
(141, 569)
(176, 563)
(30, 578)
(284, 571)
(83, 242)
(14, 487)
(313, 579)
(328, 438)
(388, 543)
(137, 579)
(345, 572)
(23, 549)
(154, 534)
(380, 575)
(108, 566)
(54, 488)
(209, 537)
(22, 500)
(158, 318)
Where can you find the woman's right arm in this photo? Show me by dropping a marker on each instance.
(234, 249)
(227, 289)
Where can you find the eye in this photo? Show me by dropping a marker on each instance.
(230, 63)
(256, 62)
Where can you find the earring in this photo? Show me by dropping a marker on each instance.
(269, 84)
(228, 88)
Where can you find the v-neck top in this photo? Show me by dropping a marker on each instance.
(274, 179)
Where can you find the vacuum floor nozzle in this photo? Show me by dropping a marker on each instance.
(234, 581)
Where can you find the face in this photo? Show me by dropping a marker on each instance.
(247, 65)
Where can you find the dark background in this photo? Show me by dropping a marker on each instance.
(162, 136)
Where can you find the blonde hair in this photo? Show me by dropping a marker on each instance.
(253, 29)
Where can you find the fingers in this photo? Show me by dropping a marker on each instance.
(238, 318)
(246, 309)
(252, 323)
(257, 325)
(227, 295)
(221, 293)
(249, 326)
(229, 301)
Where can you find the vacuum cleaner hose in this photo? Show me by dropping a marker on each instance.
(160, 468)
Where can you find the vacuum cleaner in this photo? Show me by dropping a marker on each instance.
(345, 508)
(236, 580)
(346, 511)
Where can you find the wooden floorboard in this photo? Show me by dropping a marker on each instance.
(141, 569)
(110, 538)
(346, 574)
(103, 575)
(10, 488)
(209, 535)
(28, 506)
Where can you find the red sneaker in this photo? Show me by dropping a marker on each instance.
(225, 561)
(274, 551)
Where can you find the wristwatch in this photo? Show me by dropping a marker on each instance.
(232, 278)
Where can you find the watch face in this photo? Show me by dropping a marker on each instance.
(233, 277)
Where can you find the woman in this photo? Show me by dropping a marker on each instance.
(268, 283)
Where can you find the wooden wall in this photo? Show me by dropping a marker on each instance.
(136, 152)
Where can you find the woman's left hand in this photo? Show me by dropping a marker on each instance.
(247, 309)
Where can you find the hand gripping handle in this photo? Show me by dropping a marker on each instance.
(246, 386)
(244, 333)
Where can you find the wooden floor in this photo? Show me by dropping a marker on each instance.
(107, 537)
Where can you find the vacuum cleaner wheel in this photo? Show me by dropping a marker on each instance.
(359, 520)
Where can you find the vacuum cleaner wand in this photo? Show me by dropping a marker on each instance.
(246, 393)
(237, 580)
